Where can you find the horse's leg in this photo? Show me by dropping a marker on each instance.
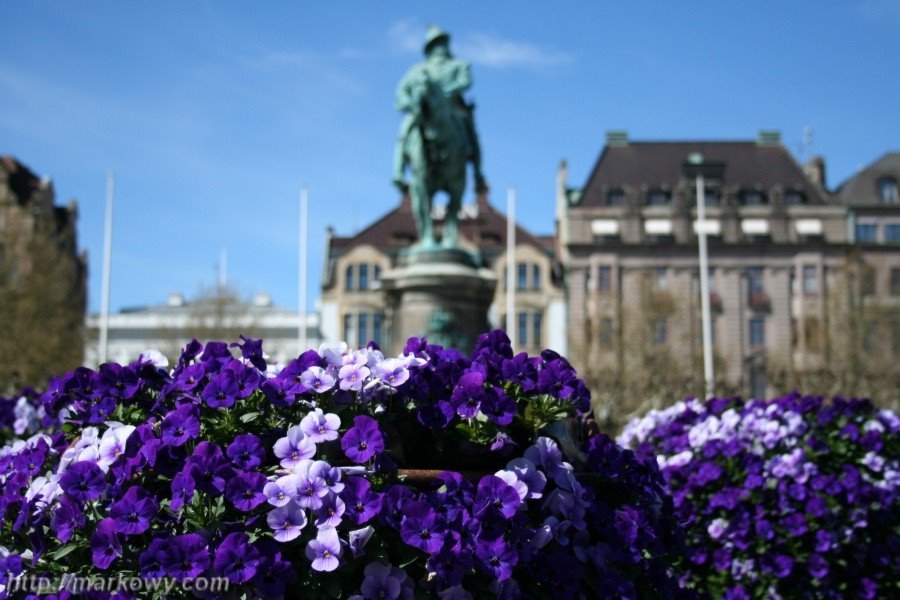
(421, 205)
(450, 237)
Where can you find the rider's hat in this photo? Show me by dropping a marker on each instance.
(435, 36)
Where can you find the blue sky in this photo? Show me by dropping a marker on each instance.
(213, 114)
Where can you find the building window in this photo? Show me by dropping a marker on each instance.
(538, 322)
(866, 232)
(895, 282)
(348, 278)
(810, 285)
(660, 332)
(711, 198)
(377, 273)
(795, 336)
(657, 198)
(793, 198)
(659, 279)
(535, 276)
(755, 281)
(522, 329)
(604, 278)
(377, 320)
(711, 278)
(752, 198)
(892, 233)
(757, 332)
(363, 277)
(349, 331)
(758, 383)
(522, 276)
(363, 338)
(615, 198)
(887, 191)
(605, 335)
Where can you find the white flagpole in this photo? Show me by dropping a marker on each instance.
(107, 260)
(304, 257)
(510, 260)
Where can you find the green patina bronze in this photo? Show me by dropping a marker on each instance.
(437, 137)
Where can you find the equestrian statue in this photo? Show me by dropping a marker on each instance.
(437, 138)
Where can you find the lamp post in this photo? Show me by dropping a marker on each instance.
(698, 169)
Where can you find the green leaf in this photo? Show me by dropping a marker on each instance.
(58, 554)
(249, 417)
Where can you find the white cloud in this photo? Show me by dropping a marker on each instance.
(500, 53)
(408, 36)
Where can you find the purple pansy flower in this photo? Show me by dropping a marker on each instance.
(364, 440)
(497, 558)
(222, 389)
(134, 511)
(317, 379)
(294, 448)
(325, 550)
(468, 394)
(361, 502)
(320, 427)
(180, 425)
(185, 556)
(245, 490)
(392, 371)
(246, 451)
(236, 558)
(105, 545)
(83, 481)
(352, 376)
(330, 511)
(282, 490)
(151, 560)
(287, 521)
(423, 528)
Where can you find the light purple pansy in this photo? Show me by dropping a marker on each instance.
(294, 448)
(287, 521)
(320, 427)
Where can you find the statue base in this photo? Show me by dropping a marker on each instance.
(438, 293)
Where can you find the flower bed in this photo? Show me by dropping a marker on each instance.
(795, 497)
(290, 481)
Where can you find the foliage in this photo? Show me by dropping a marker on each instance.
(795, 497)
(292, 478)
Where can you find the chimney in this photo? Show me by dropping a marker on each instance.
(768, 137)
(814, 170)
(617, 138)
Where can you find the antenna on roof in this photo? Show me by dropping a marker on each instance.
(806, 142)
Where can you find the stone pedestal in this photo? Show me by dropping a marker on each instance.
(439, 293)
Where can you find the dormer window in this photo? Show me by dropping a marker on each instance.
(657, 198)
(752, 198)
(711, 198)
(615, 198)
(793, 197)
(887, 191)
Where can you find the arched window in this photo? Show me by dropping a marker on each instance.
(887, 191)
(348, 278)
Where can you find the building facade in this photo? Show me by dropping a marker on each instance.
(221, 315)
(42, 279)
(353, 303)
(783, 254)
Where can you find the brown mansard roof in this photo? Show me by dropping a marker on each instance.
(657, 165)
(397, 229)
(862, 188)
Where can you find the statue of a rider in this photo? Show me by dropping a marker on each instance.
(454, 77)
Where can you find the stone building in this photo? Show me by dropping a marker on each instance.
(42, 279)
(779, 244)
(353, 303)
(214, 316)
